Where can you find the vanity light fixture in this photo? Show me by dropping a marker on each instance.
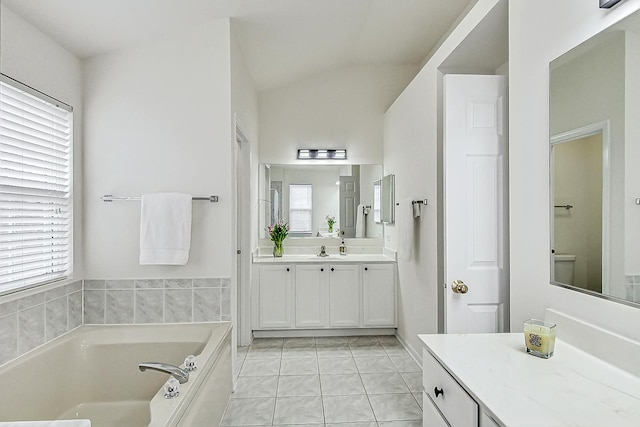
(322, 154)
(606, 4)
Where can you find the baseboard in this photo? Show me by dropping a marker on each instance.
(415, 355)
(287, 333)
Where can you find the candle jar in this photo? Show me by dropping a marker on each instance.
(540, 337)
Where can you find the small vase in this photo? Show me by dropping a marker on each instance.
(278, 250)
(331, 228)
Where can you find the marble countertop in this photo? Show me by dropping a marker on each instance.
(58, 423)
(331, 259)
(572, 388)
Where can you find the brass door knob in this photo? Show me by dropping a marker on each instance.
(459, 287)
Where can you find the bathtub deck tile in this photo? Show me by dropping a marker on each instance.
(30, 328)
(8, 338)
(249, 412)
(119, 307)
(149, 306)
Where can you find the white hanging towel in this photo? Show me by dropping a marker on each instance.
(165, 229)
(405, 230)
(360, 221)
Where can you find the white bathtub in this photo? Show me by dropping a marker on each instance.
(92, 373)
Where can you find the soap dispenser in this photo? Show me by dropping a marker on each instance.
(343, 248)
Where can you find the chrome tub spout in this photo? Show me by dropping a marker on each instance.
(178, 373)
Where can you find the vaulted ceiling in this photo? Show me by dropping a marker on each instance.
(282, 40)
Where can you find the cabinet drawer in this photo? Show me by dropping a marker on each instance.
(453, 401)
(431, 417)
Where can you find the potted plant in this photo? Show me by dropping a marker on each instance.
(331, 220)
(278, 232)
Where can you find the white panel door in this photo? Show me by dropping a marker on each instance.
(344, 295)
(275, 296)
(311, 295)
(475, 144)
(349, 200)
(379, 294)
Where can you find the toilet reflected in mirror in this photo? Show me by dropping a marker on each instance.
(564, 267)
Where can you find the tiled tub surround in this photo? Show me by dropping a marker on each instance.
(157, 301)
(30, 321)
(27, 322)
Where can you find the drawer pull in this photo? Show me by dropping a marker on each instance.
(331, 268)
(322, 269)
(287, 269)
(438, 391)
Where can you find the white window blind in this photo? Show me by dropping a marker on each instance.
(35, 187)
(300, 208)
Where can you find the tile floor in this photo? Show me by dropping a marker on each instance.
(368, 380)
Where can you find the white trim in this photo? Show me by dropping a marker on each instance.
(602, 127)
(242, 291)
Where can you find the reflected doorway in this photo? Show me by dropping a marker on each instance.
(579, 187)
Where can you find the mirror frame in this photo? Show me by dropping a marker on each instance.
(388, 200)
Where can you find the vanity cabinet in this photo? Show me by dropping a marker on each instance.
(316, 295)
(444, 396)
(489, 380)
(344, 296)
(379, 294)
(311, 295)
(275, 296)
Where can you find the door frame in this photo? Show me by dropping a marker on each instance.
(242, 271)
(602, 127)
(444, 288)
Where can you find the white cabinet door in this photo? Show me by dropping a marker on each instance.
(379, 294)
(311, 295)
(275, 296)
(344, 295)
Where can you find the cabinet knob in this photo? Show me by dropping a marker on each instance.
(438, 391)
(322, 269)
(287, 268)
(331, 268)
(366, 269)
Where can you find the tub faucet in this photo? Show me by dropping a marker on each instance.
(178, 373)
(323, 251)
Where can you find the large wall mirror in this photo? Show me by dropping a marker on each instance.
(309, 197)
(594, 104)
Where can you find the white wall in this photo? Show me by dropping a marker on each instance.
(541, 31)
(158, 119)
(244, 104)
(32, 58)
(411, 153)
(338, 109)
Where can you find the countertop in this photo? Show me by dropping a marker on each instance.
(572, 388)
(331, 259)
(58, 423)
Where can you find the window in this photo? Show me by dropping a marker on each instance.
(300, 208)
(35, 186)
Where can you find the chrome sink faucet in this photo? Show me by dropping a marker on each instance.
(323, 251)
(178, 373)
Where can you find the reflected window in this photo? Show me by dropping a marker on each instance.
(300, 208)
